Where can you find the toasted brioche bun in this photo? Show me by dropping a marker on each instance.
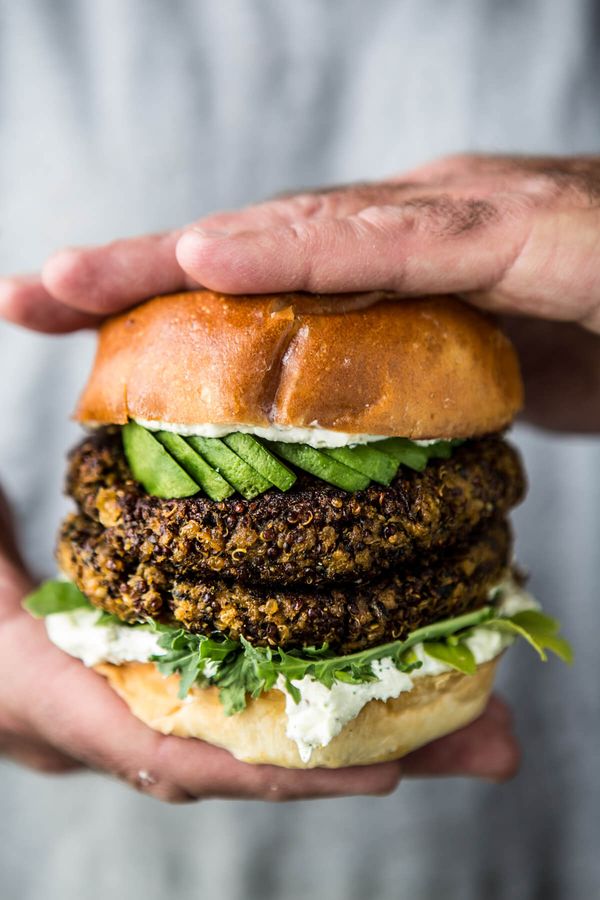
(437, 705)
(359, 363)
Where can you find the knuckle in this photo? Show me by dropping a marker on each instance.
(386, 217)
(440, 215)
(305, 234)
(158, 787)
(275, 786)
(307, 205)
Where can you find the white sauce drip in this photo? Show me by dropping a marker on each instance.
(322, 712)
(312, 435)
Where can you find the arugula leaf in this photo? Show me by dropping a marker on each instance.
(456, 655)
(189, 675)
(539, 630)
(55, 597)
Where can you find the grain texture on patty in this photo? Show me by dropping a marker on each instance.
(313, 534)
(348, 617)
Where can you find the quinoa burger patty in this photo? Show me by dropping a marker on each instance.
(348, 617)
(313, 534)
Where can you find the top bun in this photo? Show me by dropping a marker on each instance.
(371, 363)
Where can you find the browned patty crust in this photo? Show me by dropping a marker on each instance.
(347, 617)
(313, 534)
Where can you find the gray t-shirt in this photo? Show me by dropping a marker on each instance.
(124, 116)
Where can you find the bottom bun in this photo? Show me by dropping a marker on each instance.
(382, 731)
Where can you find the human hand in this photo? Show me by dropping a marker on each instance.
(57, 716)
(518, 236)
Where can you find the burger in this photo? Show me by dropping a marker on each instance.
(290, 534)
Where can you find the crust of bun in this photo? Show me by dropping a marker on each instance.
(382, 731)
(360, 363)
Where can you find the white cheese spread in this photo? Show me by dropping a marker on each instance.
(78, 633)
(312, 435)
(322, 712)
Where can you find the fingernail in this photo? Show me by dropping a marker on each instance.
(210, 232)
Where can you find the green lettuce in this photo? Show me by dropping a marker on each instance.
(54, 597)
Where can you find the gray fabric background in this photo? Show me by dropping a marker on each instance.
(124, 116)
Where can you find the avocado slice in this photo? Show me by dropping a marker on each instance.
(213, 484)
(259, 458)
(441, 449)
(415, 456)
(366, 459)
(238, 473)
(405, 452)
(320, 465)
(153, 467)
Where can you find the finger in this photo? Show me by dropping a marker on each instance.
(224, 776)
(38, 756)
(431, 244)
(113, 277)
(485, 749)
(25, 301)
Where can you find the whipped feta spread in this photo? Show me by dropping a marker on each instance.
(312, 435)
(79, 634)
(321, 712)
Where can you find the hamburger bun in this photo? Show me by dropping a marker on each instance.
(372, 363)
(382, 731)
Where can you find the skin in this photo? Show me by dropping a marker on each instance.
(516, 236)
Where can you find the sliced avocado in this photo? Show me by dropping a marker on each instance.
(213, 484)
(405, 452)
(320, 465)
(243, 477)
(366, 459)
(153, 467)
(259, 458)
(442, 449)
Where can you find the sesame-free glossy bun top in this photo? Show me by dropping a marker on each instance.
(371, 363)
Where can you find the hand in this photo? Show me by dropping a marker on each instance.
(57, 716)
(518, 236)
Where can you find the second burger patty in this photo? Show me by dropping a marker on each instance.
(313, 534)
(347, 617)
